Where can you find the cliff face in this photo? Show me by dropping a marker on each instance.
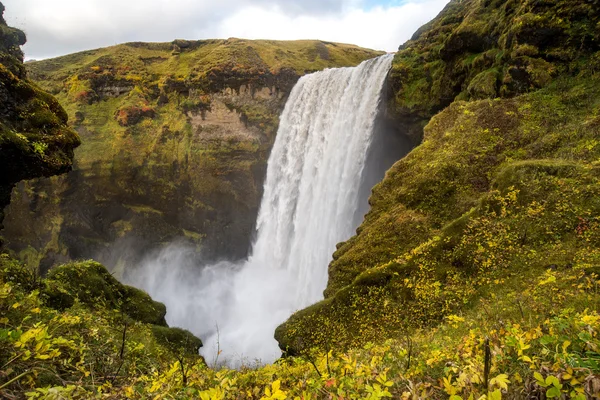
(34, 137)
(175, 142)
(504, 185)
(485, 49)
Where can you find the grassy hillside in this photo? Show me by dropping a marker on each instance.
(79, 334)
(175, 141)
(499, 188)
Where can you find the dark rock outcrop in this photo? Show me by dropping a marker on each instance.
(35, 139)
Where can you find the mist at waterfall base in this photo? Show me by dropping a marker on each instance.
(315, 195)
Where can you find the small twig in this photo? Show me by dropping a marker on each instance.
(123, 342)
(327, 358)
(182, 367)
(181, 358)
(121, 353)
(92, 373)
(218, 347)
(310, 360)
(520, 309)
(487, 363)
(15, 379)
(11, 360)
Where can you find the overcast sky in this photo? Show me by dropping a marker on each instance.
(60, 27)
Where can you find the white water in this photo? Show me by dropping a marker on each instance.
(310, 197)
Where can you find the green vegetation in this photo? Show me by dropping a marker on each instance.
(485, 49)
(91, 284)
(535, 340)
(473, 276)
(79, 332)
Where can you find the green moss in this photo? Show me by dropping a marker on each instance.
(484, 85)
(91, 284)
(177, 339)
(476, 50)
(139, 306)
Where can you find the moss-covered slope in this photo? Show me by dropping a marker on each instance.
(497, 187)
(34, 137)
(80, 328)
(175, 141)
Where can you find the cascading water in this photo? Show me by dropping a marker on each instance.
(310, 197)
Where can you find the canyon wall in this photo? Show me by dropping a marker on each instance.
(175, 142)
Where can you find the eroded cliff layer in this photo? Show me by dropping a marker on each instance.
(175, 142)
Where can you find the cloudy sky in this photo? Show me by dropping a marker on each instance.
(60, 27)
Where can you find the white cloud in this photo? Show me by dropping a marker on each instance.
(381, 28)
(66, 26)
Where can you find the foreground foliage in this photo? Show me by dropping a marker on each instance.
(79, 330)
(536, 343)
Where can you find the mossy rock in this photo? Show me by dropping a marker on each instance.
(366, 311)
(88, 281)
(35, 139)
(140, 306)
(93, 285)
(177, 340)
(482, 49)
(57, 296)
(484, 85)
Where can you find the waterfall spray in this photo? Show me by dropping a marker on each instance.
(310, 197)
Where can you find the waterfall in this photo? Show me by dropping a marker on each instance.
(311, 194)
